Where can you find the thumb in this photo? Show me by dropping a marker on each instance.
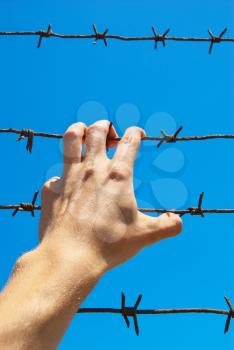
(154, 229)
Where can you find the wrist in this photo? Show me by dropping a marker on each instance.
(60, 277)
(69, 258)
(50, 284)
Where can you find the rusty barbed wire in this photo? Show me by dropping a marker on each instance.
(31, 207)
(133, 311)
(165, 138)
(97, 36)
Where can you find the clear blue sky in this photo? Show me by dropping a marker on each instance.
(66, 81)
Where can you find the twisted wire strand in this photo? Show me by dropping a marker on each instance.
(192, 210)
(147, 138)
(117, 37)
(133, 311)
(154, 311)
(96, 35)
(143, 210)
(30, 134)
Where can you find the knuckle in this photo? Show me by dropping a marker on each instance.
(89, 171)
(71, 133)
(132, 135)
(169, 225)
(124, 139)
(135, 130)
(101, 126)
(104, 124)
(94, 128)
(46, 188)
(100, 225)
(75, 131)
(173, 223)
(131, 129)
(120, 172)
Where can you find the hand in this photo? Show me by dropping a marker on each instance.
(89, 224)
(92, 207)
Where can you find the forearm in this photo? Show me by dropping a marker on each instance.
(45, 291)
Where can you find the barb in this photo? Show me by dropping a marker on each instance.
(161, 38)
(134, 311)
(24, 206)
(130, 312)
(99, 36)
(30, 134)
(192, 211)
(215, 39)
(169, 138)
(44, 34)
(230, 315)
(198, 210)
(103, 36)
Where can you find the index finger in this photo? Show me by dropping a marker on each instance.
(128, 146)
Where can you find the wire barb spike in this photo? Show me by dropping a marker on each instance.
(99, 36)
(130, 312)
(29, 134)
(27, 206)
(215, 39)
(158, 37)
(164, 37)
(155, 38)
(230, 315)
(44, 34)
(169, 138)
(198, 210)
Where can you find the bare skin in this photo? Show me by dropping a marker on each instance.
(89, 224)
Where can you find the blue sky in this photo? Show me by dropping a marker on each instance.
(129, 83)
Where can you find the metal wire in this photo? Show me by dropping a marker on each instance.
(29, 135)
(133, 311)
(31, 207)
(97, 36)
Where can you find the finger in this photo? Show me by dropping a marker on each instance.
(154, 229)
(128, 146)
(72, 145)
(49, 193)
(50, 187)
(96, 139)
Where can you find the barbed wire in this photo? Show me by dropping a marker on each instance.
(133, 311)
(31, 207)
(104, 36)
(30, 134)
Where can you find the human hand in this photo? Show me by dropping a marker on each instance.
(89, 224)
(92, 207)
